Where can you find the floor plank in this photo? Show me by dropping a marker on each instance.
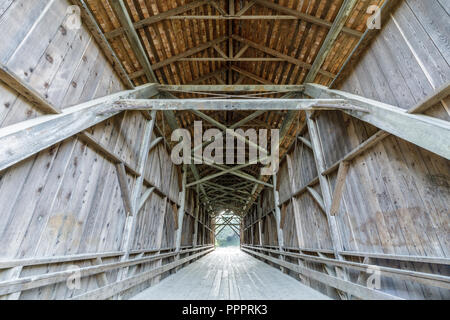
(228, 273)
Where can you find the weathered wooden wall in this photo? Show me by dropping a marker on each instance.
(396, 196)
(66, 200)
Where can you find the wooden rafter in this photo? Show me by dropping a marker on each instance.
(328, 43)
(305, 17)
(280, 55)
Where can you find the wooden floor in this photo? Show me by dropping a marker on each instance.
(229, 274)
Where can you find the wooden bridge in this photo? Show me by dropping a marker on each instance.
(115, 121)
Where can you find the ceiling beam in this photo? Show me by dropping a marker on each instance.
(330, 40)
(245, 8)
(24, 139)
(280, 55)
(223, 172)
(182, 55)
(159, 17)
(133, 38)
(237, 18)
(247, 59)
(232, 88)
(305, 17)
(426, 132)
(195, 105)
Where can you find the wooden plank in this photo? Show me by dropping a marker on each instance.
(339, 187)
(15, 83)
(123, 182)
(91, 24)
(364, 42)
(175, 215)
(422, 277)
(317, 197)
(144, 198)
(31, 282)
(5, 264)
(305, 141)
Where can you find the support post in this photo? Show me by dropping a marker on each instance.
(197, 210)
(130, 226)
(326, 195)
(277, 213)
(181, 210)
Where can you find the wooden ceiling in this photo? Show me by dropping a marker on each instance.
(232, 42)
(205, 41)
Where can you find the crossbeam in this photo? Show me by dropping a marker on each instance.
(233, 88)
(280, 55)
(426, 132)
(306, 17)
(24, 139)
(238, 104)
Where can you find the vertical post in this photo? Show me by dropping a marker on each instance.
(260, 229)
(181, 210)
(132, 202)
(326, 194)
(297, 216)
(276, 198)
(196, 221)
(204, 227)
(277, 213)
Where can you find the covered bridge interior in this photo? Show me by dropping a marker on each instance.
(93, 206)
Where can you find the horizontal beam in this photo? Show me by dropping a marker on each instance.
(213, 59)
(24, 139)
(237, 104)
(426, 132)
(229, 17)
(335, 282)
(233, 88)
(428, 279)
